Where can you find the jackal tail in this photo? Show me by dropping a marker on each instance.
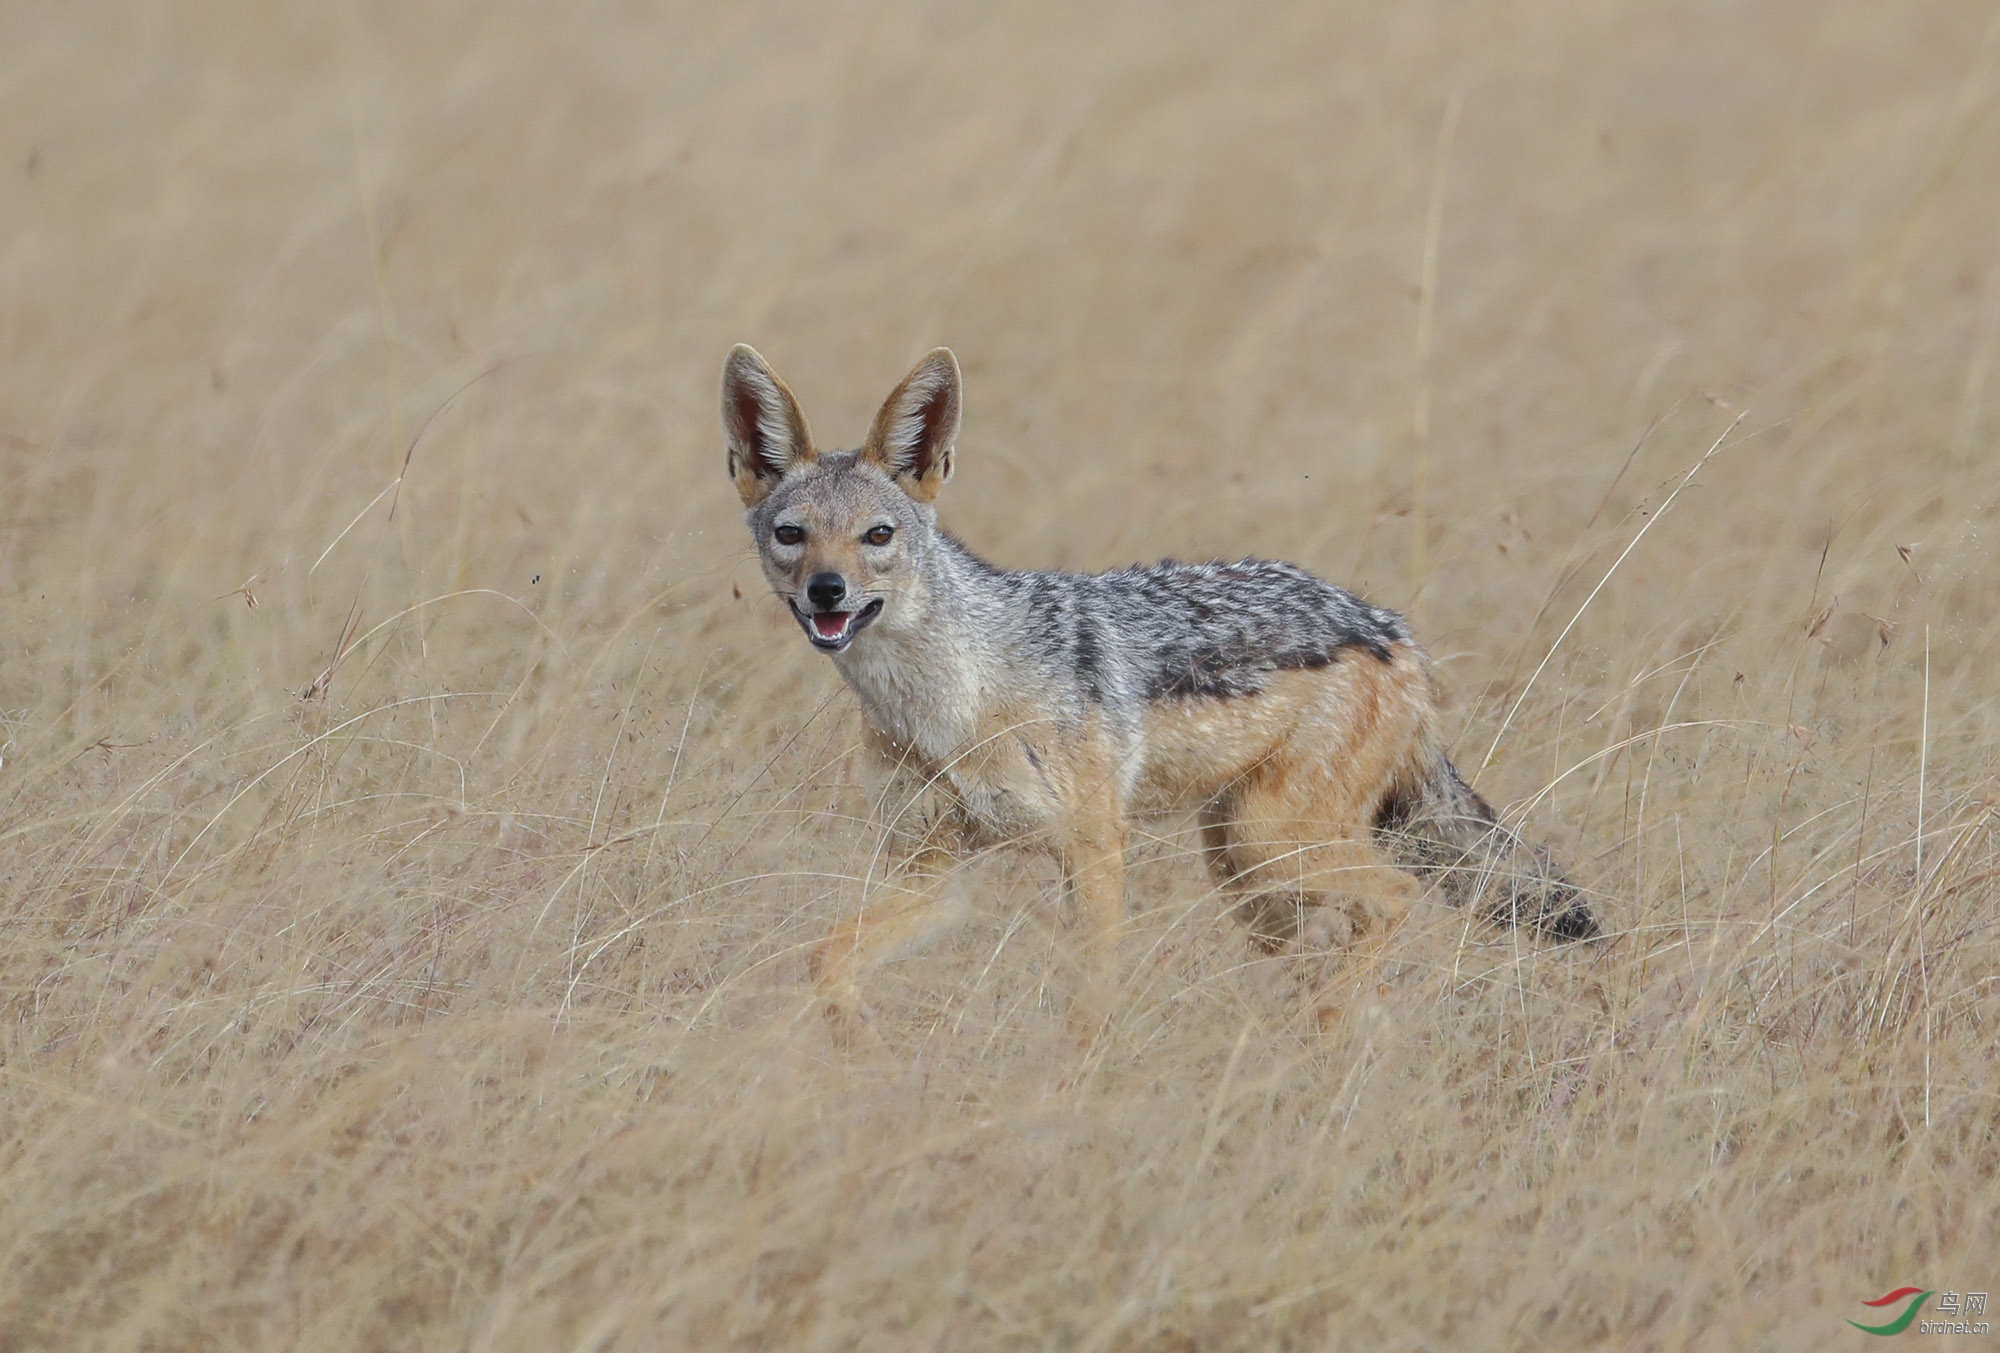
(1438, 827)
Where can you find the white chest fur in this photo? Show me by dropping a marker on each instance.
(915, 693)
(928, 700)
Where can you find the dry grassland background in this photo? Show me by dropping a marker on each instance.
(412, 809)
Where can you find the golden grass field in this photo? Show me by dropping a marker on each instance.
(413, 809)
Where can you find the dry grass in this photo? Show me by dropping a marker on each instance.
(460, 1004)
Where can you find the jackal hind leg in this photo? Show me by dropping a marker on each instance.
(1280, 853)
(1273, 914)
(1283, 885)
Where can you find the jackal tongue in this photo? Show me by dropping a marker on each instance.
(830, 624)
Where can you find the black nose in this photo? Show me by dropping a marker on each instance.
(825, 590)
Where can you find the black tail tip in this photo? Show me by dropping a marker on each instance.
(1558, 910)
(1571, 923)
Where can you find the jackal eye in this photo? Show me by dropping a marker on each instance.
(878, 535)
(789, 534)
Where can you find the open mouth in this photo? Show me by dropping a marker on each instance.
(835, 630)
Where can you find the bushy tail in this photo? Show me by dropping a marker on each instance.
(1437, 827)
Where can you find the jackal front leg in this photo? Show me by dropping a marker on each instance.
(1092, 854)
(922, 840)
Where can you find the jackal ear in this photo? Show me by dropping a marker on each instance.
(767, 433)
(917, 426)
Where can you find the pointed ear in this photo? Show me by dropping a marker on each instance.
(767, 433)
(914, 432)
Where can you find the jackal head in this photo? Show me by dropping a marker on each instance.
(841, 534)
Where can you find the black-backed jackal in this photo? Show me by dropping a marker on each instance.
(1050, 708)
